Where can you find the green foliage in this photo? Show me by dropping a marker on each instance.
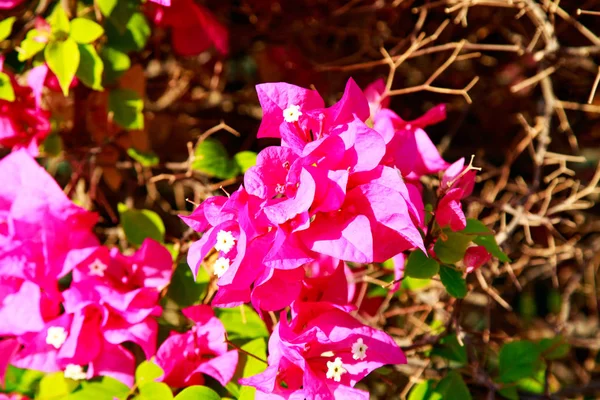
(154, 391)
(6, 90)
(420, 266)
(55, 386)
(59, 22)
(106, 6)
(126, 106)
(63, 58)
(409, 283)
(453, 281)
(211, 158)
(242, 323)
(145, 159)
(105, 389)
(518, 360)
(485, 237)
(34, 42)
(146, 372)
(452, 249)
(183, 290)
(90, 67)
(133, 37)
(450, 349)
(115, 63)
(6, 26)
(554, 348)
(85, 31)
(196, 393)
(257, 347)
(23, 381)
(452, 387)
(245, 160)
(141, 224)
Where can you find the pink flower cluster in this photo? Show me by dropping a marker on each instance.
(50, 324)
(343, 186)
(23, 123)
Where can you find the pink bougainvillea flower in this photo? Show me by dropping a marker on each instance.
(40, 77)
(194, 29)
(458, 176)
(8, 348)
(8, 4)
(329, 280)
(449, 211)
(322, 354)
(475, 257)
(185, 357)
(23, 123)
(376, 96)
(76, 340)
(298, 116)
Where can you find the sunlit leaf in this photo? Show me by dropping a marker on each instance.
(7, 92)
(90, 67)
(126, 106)
(85, 30)
(141, 224)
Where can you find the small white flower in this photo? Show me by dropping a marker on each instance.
(335, 369)
(359, 350)
(221, 266)
(225, 241)
(75, 372)
(97, 268)
(292, 113)
(56, 336)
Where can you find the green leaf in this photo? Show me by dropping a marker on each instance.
(517, 360)
(533, 384)
(211, 158)
(133, 37)
(6, 90)
(141, 224)
(554, 348)
(453, 282)
(449, 348)
(196, 393)
(238, 326)
(146, 372)
(509, 392)
(485, 237)
(90, 67)
(424, 391)
(24, 381)
(452, 249)
(52, 145)
(146, 159)
(155, 391)
(453, 387)
(59, 21)
(6, 26)
(63, 59)
(34, 42)
(257, 347)
(420, 266)
(245, 160)
(183, 290)
(55, 386)
(106, 389)
(126, 106)
(115, 63)
(85, 30)
(409, 283)
(106, 6)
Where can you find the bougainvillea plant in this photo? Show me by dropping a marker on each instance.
(268, 305)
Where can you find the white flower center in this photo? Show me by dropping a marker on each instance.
(56, 336)
(359, 350)
(335, 369)
(225, 241)
(75, 372)
(221, 266)
(292, 113)
(97, 268)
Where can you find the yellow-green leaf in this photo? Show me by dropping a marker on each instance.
(6, 27)
(59, 21)
(90, 67)
(126, 106)
(63, 59)
(6, 90)
(34, 42)
(85, 31)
